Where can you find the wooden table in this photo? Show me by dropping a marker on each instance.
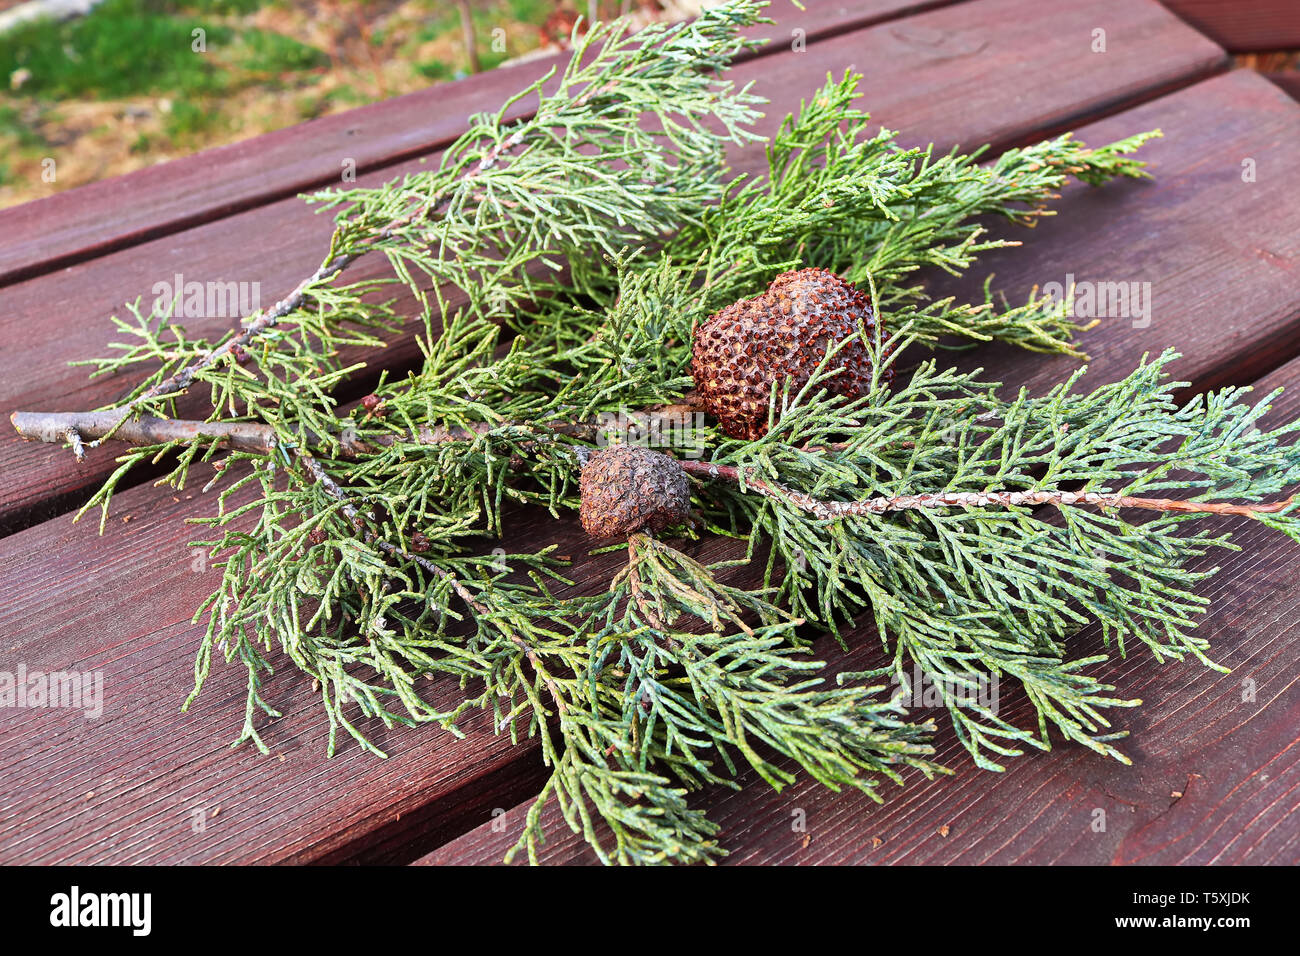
(1216, 774)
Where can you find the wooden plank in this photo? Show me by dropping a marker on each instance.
(956, 75)
(71, 226)
(1232, 764)
(124, 787)
(1216, 758)
(121, 605)
(1243, 26)
(1288, 80)
(1217, 249)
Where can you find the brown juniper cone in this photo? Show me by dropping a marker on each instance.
(627, 488)
(781, 335)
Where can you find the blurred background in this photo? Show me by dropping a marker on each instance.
(115, 85)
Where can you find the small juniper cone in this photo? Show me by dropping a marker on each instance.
(627, 488)
(781, 335)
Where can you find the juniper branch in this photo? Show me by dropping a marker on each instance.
(478, 223)
(355, 543)
(261, 439)
(830, 510)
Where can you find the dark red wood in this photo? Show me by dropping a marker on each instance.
(1216, 243)
(121, 604)
(955, 75)
(1244, 26)
(1234, 764)
(1288, 80)
(1216, 778)
(71, 226)
(124, 787)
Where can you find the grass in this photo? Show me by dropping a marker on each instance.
(13, 127)
(127, 48)
(140, 81)
(444, 21)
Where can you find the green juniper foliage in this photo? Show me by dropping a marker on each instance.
(562, 261)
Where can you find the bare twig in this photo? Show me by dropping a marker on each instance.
(253, 437)
(72, 427)
(828, 510)
(467, 35)
(145, 430)
(56, 427)
(181, 379)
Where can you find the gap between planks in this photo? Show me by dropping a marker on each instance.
(134, 621)
(66, 228)
(1214, 780)
(927, 75)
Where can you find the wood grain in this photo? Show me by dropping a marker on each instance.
(124, 787)
(71, 226)
(1195, 198)
(1219, 252)
(1216, 758)
(1244, 26)
(955, 75)
(1288, 80)
(82, 605)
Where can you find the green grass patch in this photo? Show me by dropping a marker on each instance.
(123, 48)
(188, 121)
(434, 70)
(13, 127)
(129, 48)
(262, 51)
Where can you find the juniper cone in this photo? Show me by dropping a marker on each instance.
(628, 488)
(561, 264)
(781, 338)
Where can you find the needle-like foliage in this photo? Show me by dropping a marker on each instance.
(562, 261)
